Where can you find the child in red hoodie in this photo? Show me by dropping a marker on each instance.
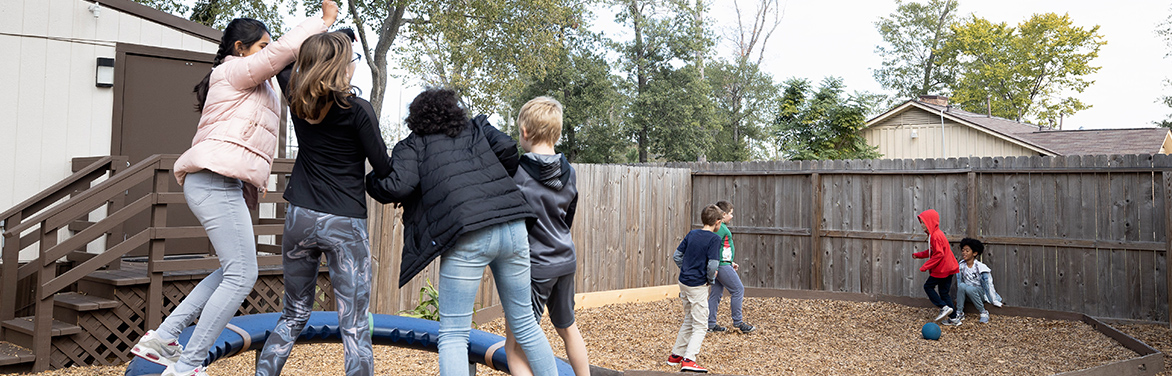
(941, 265)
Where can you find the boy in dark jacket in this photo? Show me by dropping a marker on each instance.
(549, 184)
(698, 257)
(453, 178)
(941, 264)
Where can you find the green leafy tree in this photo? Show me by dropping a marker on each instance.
(665, 35)
(914, 34)
(1025, 72)
(1164, 30)
(677, 102)
(481, 48)
(217, 13)
(821, 124)
(484, 48)
(593, 104)
(743, 95)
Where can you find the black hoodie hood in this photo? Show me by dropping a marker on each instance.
(550, 170)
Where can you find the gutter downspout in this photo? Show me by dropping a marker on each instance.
(943, 144)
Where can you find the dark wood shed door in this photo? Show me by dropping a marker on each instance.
(154, 114)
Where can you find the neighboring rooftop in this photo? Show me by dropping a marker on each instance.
(1061, 142)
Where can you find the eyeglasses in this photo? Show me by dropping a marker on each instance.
(357, 56)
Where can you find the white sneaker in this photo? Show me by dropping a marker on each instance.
(944, 312)
(984, 317)
(170, 371)
(151, 347)
(955, 321)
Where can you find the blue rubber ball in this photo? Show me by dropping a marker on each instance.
(931, 331)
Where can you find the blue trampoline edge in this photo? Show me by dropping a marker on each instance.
(322, 327)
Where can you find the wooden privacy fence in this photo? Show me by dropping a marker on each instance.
(629, 220)
(1084, 234)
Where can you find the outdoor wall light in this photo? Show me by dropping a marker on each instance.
(105, 73)
(914, 134)
(96, 9)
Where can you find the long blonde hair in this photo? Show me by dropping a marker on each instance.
(320, 75)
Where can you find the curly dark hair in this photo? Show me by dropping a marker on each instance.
(974, 244)
(436, 110)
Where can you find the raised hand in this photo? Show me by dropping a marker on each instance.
(329, 11)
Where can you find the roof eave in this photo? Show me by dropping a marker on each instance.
(163, 18)
(1007, 137)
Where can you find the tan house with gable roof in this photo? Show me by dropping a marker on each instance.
(930, 128)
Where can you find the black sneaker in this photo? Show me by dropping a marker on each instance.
(745, 327)
(717, 328)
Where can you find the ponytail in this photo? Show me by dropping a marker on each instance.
(244, 30)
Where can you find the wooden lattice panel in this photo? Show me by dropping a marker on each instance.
(105, 340)
(108, 335)
(324, 298)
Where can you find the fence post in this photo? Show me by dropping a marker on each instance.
(972, 206)
(1168, 242)
(156, 250)
(816, 232)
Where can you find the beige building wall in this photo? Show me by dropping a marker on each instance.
(52, 109)
(894, 137)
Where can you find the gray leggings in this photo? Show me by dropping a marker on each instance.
(343, 240)
(218, 202)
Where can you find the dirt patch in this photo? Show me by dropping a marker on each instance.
(793, 336)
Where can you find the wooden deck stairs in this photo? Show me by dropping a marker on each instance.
(89, 291)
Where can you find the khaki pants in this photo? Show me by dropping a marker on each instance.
(695, 325)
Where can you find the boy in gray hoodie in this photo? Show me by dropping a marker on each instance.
(549, 185)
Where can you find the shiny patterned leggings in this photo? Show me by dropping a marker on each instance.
(343, 240)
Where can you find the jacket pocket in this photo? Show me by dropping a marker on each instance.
(249, 130)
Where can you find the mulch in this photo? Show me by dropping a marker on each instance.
(793, 336)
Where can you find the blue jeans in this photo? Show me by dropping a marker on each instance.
(726, 278)
(937, 289)
(217, 201)
(309, 235)
(505, 249)
(973, 293)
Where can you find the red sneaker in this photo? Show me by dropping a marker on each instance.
(691, 366)
(674, 360)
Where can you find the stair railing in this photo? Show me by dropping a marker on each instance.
(79, 181)
(45, 226)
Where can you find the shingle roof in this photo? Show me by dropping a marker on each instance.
(1067, 142)
(1005, 127)
(1102, 141)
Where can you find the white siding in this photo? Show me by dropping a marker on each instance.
(895, 142)
(53, 110)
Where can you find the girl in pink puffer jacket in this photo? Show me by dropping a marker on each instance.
(230, 157)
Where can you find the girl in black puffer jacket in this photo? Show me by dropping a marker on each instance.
(453, 177)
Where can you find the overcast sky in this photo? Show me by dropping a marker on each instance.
(824, 38)
(817, 39)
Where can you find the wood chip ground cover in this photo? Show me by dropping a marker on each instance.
(793, 336)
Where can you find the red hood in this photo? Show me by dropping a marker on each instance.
(931, 220)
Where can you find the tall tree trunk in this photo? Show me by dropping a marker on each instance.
(640, 75)
(378, 64)
(930, 64)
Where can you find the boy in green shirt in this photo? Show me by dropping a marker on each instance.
(727, 278)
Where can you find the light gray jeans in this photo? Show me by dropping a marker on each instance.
(217, 201)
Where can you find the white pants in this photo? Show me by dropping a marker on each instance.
(695, 325)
